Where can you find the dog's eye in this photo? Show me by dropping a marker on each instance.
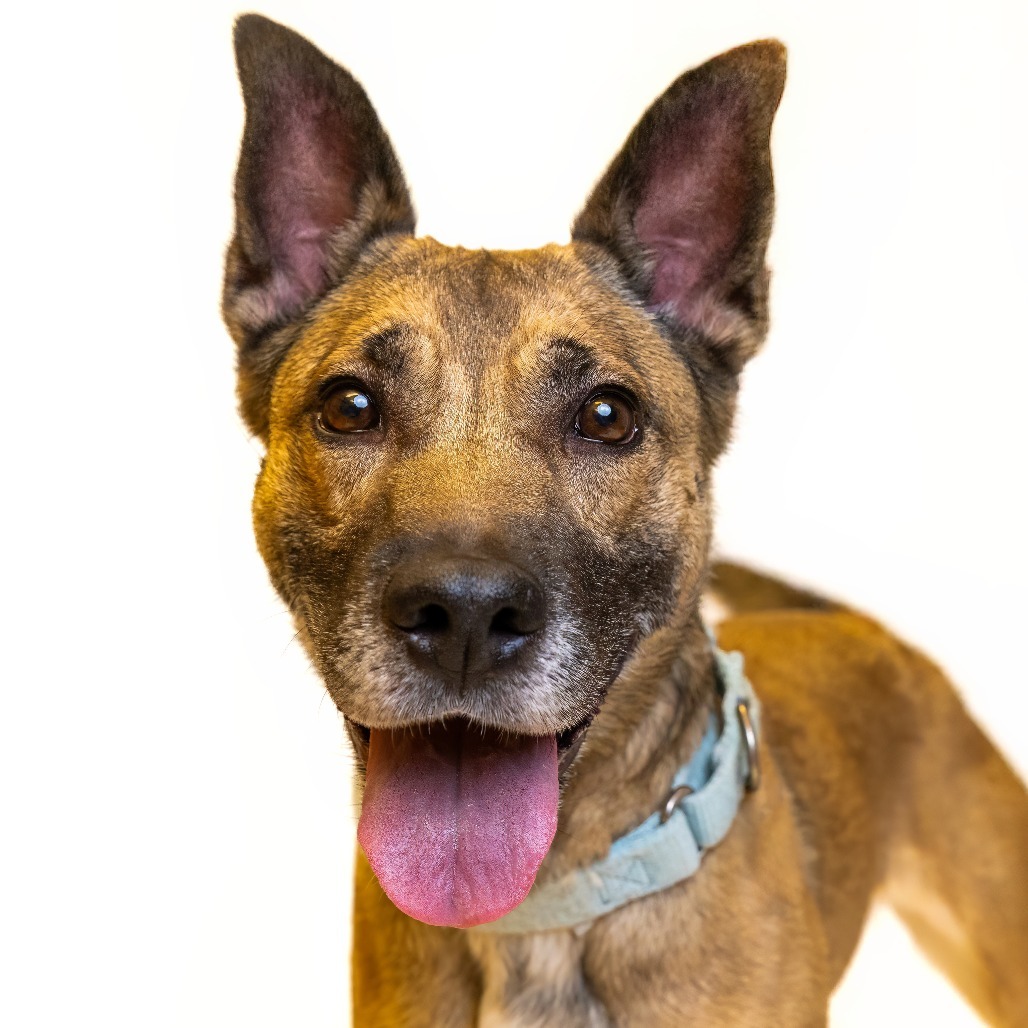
(348, 408)
(607, 417)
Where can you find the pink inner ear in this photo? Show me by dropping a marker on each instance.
(308, 180)
(694, 201)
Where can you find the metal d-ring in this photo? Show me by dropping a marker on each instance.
(749, 733)
(675, 796)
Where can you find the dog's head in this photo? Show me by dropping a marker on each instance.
(486, 474)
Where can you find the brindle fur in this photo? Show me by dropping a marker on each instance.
(875, 778)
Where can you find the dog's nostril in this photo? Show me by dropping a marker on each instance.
(508, 621)
(434, 618)
(430, 618)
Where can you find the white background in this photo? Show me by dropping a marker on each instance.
(175, 798)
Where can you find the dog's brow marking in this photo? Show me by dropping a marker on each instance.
(568, 360)
(570, 328)
(389, 348)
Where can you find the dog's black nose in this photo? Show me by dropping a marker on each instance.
(464, 615)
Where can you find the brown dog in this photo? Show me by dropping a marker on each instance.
(485, 500)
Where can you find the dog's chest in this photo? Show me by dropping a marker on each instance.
(535, 981)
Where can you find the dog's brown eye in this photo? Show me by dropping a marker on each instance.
(607, 418)
(348, 408)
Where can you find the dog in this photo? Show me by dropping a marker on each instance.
(486, 501)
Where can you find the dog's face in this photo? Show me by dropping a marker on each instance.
(485, 481)
(511, 508)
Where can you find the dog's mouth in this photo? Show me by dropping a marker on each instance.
(458, 816)
(569, 740)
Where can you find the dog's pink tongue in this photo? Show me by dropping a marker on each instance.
(457, 821)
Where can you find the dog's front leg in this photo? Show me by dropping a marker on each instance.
(404, 972)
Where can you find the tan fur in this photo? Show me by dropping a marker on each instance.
(876, 781)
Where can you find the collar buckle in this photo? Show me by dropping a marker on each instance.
(749, 734)
(675, 796)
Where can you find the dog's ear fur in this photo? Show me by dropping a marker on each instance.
(686, 206)
(317, 180)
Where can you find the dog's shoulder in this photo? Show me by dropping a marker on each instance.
(843, 702)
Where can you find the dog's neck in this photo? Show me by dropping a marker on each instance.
(651, 723)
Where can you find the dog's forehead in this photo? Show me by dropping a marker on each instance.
(493, 315)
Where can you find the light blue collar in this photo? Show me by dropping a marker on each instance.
(667, 847)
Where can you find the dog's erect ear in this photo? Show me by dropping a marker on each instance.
(686, 205)
(317, 180)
